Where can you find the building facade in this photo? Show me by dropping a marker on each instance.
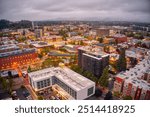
(73, 84)
(13, 59)
(120, 38)
(135, 82)
(92, 59)
(102, 32)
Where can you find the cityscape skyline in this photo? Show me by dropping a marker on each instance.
(71, 50)
(135, 10)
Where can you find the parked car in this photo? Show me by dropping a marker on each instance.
(26, 93)
(14, 95)
(29, 97)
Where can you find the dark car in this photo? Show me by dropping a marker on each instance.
(14, 95)
(26, 93)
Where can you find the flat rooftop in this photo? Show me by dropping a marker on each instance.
(134, 74)
(94, 51)
(69, 77)
(17, 52)
(119, 36)
(41, 44)
(78, 38)
(9, 46)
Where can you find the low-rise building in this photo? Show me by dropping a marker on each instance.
(102, 32)
(76, 39)
(9, 47)
(120, 38)
(51, 39)
(16, 58)
(68, 83)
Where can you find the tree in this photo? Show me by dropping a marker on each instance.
(4, 84)
(22, 86)
(21, 39)
(63, 34)
(127, 97)
(4, 24)
(29, 69)
(10, 84)
(1, 79)
(76, 68)
(117, 94)
(130, 34)
(40, 98)
(81, 43)
(103, 81)
(45, 51)
(121, 63)
(108, 96)
(63, 49)
(100, 40)
(106, 49)
(139, 43)
(40, 56)
(98, 92)
(47, 63)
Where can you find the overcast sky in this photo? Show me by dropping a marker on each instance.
(108, 10)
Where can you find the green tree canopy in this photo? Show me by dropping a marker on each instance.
(29, 69)
(121, 63)
(103, 81)
(40, 98)
(127, 98)
(100, 39)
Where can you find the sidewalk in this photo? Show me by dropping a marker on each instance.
(34, 96)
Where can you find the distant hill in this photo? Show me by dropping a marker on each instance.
(28, 24)
(15, 25)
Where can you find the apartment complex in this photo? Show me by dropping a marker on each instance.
(92, 59)
(135, 82)
(7, 48)
(67, 82)
(102, 32)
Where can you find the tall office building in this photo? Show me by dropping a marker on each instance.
(38, 33)
(33, 25)
(93, 59)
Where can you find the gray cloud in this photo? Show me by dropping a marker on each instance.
(122, 10)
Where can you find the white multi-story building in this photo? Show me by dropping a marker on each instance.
(75, 85)
(135, 82)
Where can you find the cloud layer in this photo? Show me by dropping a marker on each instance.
(118, 10)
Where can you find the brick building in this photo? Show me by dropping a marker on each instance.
(15, 58)
(135, 82)
(120, 38)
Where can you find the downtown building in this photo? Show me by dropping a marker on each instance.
(135, 82)
(66, 82)
(93, 59)
(102, 32)
(12, 57)
(120, 38)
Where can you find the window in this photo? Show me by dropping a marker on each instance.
(38, 85)
(90, 91)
